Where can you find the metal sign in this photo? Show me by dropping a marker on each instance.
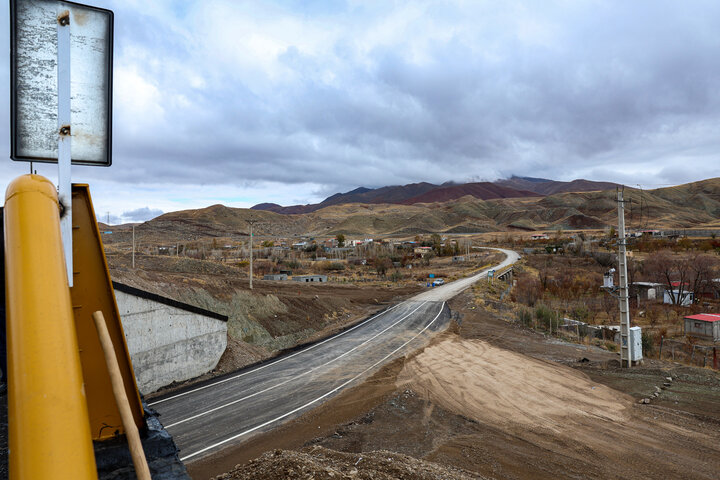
(36, 80)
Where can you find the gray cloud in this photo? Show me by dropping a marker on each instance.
(233, 94)
(109, 219)
(141, 214)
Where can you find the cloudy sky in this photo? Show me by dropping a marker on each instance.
(242, 102)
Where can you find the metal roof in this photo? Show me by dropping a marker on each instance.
(706, 317)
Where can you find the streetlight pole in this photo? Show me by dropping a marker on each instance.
(251, 223)
(133, 251)
(625, 346)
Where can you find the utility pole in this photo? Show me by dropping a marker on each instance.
(133, 254)
(251, 222)
(625, 358)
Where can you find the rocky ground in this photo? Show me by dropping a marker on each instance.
(499, 401)
(323, 464)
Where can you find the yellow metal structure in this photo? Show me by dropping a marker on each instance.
(49, 431)
(93, 291)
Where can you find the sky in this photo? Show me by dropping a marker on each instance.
(243, 102)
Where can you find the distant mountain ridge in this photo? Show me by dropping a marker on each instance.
(544, 186)
(423, 192)
(688, 206)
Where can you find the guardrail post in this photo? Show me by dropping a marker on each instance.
(49, 430)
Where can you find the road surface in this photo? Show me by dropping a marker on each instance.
(227, 411)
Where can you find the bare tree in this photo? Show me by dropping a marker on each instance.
(703, 270)
(610, 306)
(673, 271)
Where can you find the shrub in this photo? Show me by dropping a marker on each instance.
(528, 290)
(611, 346)
(581, 313)
(291, 264)
(546, 317)
(333, 266)
(396, 276)
(525, 317)
(648, 342)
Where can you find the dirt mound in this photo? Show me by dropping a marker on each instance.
(489, 384)
(660, 440)
(321, 463)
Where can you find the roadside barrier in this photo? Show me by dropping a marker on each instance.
(49, 429)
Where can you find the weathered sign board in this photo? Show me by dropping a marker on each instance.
(35, 81)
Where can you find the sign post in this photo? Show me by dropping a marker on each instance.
(64, 135)
(61, 92)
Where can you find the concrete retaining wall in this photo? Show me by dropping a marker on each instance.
(167, 342)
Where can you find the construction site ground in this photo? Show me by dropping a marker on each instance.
(489, 399)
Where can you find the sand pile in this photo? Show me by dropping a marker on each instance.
(497, 386)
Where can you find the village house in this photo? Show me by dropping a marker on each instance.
(705, 326)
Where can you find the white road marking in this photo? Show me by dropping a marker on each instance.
(276, 361)
(449, 290)
(296, 376)
(318, 398)
(442, 293)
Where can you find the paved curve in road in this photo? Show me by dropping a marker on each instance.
(227, 411)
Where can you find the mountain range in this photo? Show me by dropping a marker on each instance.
(692, 205)
(514, 187)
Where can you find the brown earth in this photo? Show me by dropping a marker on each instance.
(501, 401)
(323, 464)
(272, 317)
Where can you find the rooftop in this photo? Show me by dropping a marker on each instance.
(707, 317)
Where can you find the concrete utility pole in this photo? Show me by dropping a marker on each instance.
(251, 223)
(625, 357)
(133, 254)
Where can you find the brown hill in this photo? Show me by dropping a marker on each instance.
(694, 205)
(481, 190)
(427, 192)
(291, 210)
(391, 194)
(544, 186)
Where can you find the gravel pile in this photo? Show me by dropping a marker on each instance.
(320, 463)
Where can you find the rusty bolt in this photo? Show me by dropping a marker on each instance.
(64, 18)
(65, 130)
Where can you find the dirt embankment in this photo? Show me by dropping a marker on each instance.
(502, 402)
(272, 317)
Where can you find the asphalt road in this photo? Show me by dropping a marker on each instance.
(227, 411)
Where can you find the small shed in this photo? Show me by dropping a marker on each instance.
(311, 278)
(647, 290)
(685, 297)
(703, 325)
(278, 277)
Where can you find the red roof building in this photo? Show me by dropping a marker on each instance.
(703, 325)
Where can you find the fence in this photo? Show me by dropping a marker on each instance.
(690, 353)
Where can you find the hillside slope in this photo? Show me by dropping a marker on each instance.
(544, 186)
(685, 206)
(514, 187)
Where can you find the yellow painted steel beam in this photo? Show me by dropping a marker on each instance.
(49, 430)
(93, 291)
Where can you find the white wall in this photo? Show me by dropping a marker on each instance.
(168, 344)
